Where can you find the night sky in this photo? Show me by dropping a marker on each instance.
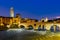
(35, 9)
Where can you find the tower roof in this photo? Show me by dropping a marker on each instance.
(11, 8)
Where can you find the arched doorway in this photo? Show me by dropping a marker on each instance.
(54, 28)
(30, 27)
(22, 26)
(14, 26)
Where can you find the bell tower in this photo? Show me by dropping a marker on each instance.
(11, 12)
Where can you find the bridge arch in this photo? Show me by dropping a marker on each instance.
(22, 26)
(30, 27)
(41, 27)
(54, 28)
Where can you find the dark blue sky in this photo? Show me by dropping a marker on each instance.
(31, 8)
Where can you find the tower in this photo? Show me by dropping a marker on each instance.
(11, 12)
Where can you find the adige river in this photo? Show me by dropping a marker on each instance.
(22, 34)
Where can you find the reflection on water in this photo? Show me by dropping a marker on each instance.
(16, 34)
(22, 34)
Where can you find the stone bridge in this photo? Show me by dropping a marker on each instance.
(40, 25)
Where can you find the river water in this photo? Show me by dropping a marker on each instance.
(22, 34)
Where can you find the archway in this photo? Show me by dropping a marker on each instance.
(43, 28)
(30, 27)
(54, 28)
(39, 28)
(57, 28)
(22, 26)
